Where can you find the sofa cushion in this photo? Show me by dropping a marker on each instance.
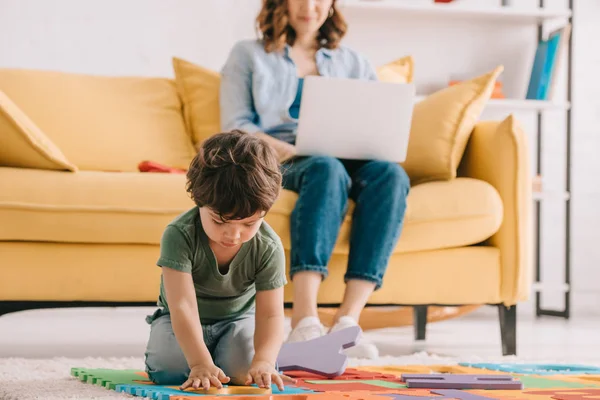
(23, 144)
(104, 123)
(103, 207)
(89, 206)
(439, 215)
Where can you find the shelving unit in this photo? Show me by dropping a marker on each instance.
(540, 196)
(429, 9)
(539, 286)
(535, 16)
(517, 104)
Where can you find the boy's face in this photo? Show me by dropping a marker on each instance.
(232, 233)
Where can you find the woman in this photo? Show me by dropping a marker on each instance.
(261, 88)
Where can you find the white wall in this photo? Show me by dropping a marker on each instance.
(115, 37)
(139, 37)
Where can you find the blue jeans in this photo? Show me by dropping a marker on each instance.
(324, 185)
(230, 343)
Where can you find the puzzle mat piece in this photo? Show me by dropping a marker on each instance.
(529, 382)
(423, 394)
(349, 374)
(538, 382)
(153, 392)
(303, 375)
(544, 394)
(590, 393)
(156, 392)
(556, 394)
(348, 386)
(538, 369)
(427, 369)
(399, 370)
(590, 379)
(374, 382)
(530, 394)
(444, 394)
(110, 378)
(461, 381)
(356, 374)
(229, 390)
(321, 355)
(136, 382)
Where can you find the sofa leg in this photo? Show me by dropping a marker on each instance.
(508, 329)
(420, 321)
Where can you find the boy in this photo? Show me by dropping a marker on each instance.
(223, 272)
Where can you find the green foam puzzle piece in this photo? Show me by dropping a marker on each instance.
(532, 382)
(374, 382)
(108, 378)
(387, 384)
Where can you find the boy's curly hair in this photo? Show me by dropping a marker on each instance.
(272, 22)
(235, 174)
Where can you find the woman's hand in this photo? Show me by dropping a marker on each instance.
(284, 150)
(263, 373)
(205, 376)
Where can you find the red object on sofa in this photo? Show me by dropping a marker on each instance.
(151, 166)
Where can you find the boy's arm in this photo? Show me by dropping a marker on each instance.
(181, 297)
(268, 336)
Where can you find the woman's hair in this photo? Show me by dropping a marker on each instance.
(276, 31)
(235, 174)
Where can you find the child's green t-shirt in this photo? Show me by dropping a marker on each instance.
(259, 265)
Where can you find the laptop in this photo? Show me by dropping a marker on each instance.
(355, 119)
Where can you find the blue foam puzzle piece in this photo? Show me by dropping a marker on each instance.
(156, 392)
(537, 369)
(290, 389)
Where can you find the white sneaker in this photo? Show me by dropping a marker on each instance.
(363, 348)
(308, 328)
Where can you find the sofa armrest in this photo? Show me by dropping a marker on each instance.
(498, 153)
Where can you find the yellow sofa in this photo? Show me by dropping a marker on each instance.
(78, 223)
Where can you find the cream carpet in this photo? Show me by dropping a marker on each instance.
(36, 365)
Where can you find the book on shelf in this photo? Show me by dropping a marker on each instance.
(546, 64)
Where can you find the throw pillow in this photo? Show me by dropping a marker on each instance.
(23, 144)
(398, 71)
(441, 127)
(198, 88)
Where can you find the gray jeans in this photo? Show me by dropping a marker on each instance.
(230, 343)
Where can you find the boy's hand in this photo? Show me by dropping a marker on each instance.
(204, 376)
(263, 373)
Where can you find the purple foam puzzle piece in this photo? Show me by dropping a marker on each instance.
(319, 356)
(461, 381)
(459, 394)
(447, 393)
